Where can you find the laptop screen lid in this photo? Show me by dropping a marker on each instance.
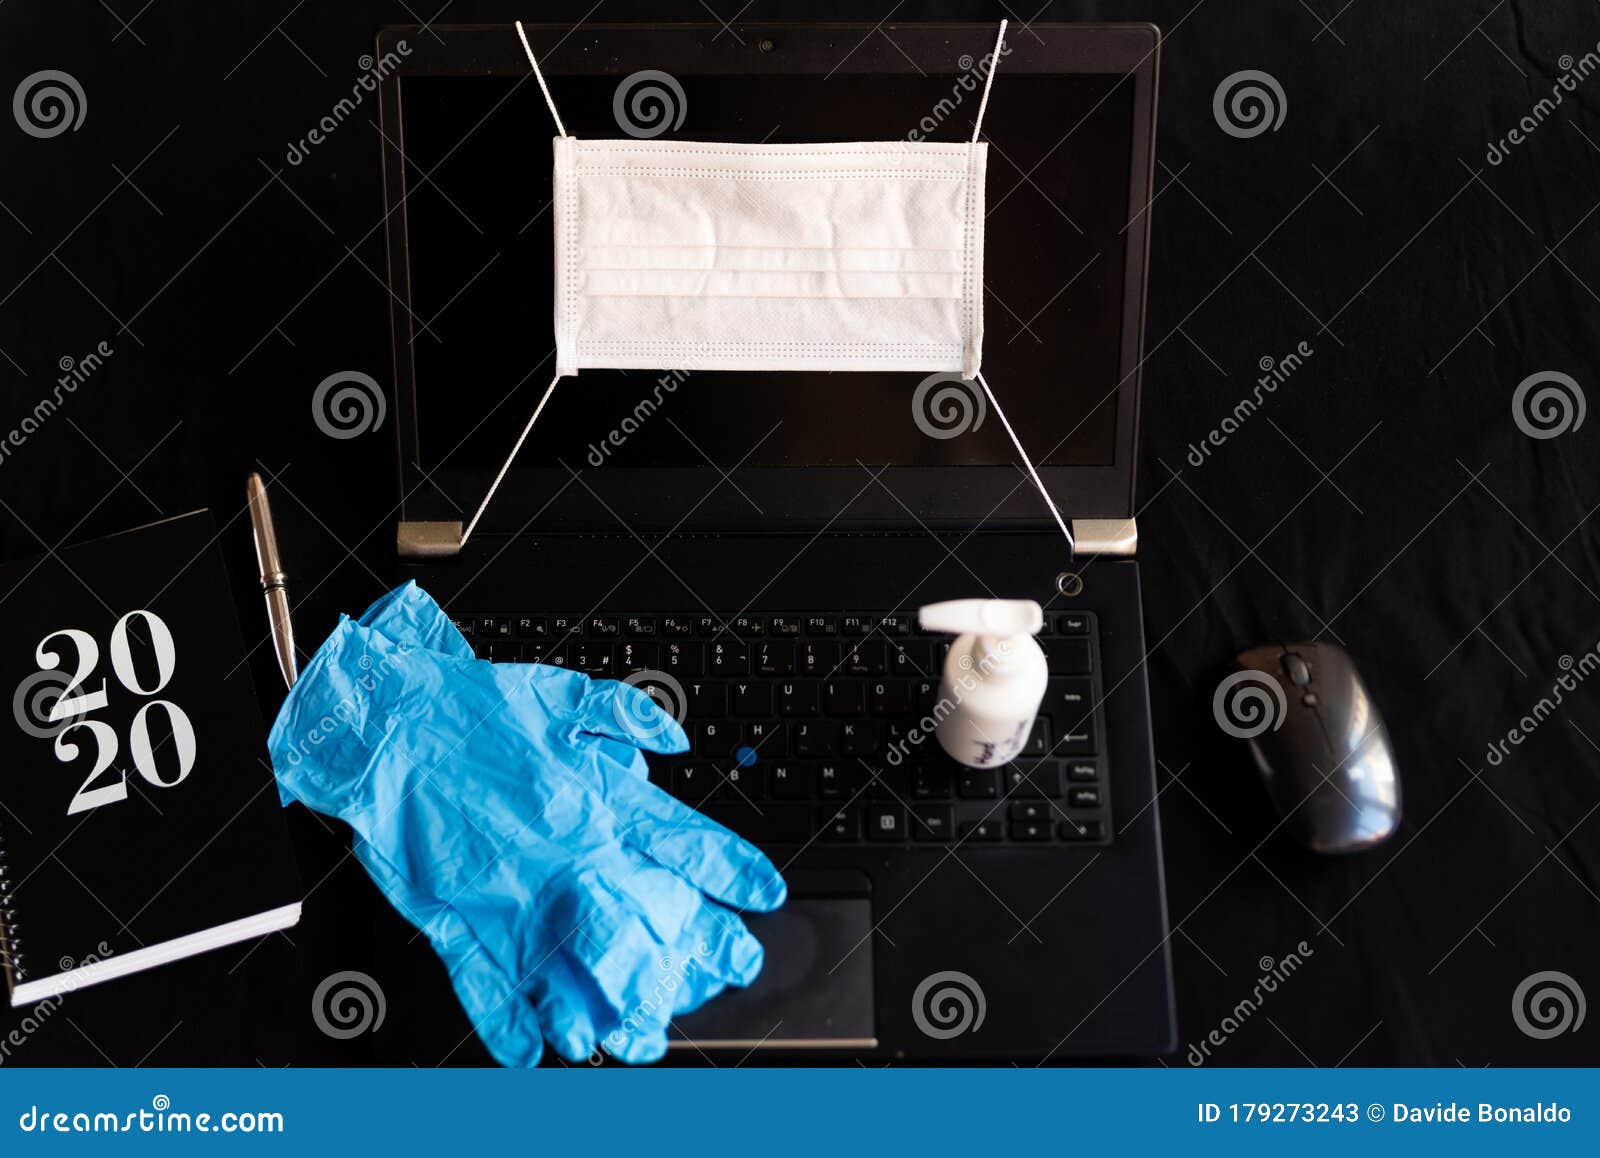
(468, 181)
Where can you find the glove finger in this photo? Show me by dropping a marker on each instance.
(408, 614)
(570, 1008)
(625, 713)
(710, 857)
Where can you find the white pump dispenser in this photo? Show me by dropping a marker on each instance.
(994, 677)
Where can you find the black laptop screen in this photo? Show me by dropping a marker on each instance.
(478, 157)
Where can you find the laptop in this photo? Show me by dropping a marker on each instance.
(753, 548)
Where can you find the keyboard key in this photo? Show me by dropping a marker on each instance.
(604, 627)
(981, 831)
(1076, 742)
(1038, 741)
(1084, 798)
(931, 783)
(465, 624)
(799, 699)
(1029, 810)
(819, 658)
(1083, 771)
(870, 657)
(891, 698)
(859, 738)
(708, 700)
(694, 783)
(636, 657)
(593, 658)
(775, 657)
(1039, 782)
(767, 738)
(841, 824)
(1030, 830)
(706, 626)
(931, 822)
(889, 784)
(840, 781)
(894, 625)
(1072, 623)
(743, 783)
(677, 625)
(716, 738)
(856, 624)
(977, 784)
(789, 782)
(1067, 656)
(493, 628)
(639, 625)
(821, 625)
(727, 658)
(532, 627)
(1081, 830)
(911, 657)
(504, 651)
(752, 699)
(562, 626)
(784, 625)
(748, 626)
(846, 698)
(886, 822)
(814, 737)
(684, 659)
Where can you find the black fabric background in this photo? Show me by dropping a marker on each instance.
(1384, 496)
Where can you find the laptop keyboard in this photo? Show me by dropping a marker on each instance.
(792, 721)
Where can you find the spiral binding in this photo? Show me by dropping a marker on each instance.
(10, 942)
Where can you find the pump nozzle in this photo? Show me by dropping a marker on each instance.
(991, 617)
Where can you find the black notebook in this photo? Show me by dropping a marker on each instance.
(139, 822)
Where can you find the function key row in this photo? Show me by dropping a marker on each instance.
(1035, 791)
(534, 627)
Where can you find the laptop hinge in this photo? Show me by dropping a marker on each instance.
(1106, 536)
(427, 539)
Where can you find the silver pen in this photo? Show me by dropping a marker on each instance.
(273, 580)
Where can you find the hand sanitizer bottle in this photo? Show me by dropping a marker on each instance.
(994, 677)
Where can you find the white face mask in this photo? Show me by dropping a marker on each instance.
(686, 255)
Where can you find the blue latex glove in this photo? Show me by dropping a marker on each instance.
(503, 809)
(568, 1008)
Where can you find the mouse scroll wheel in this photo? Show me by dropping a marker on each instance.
(1296, 668)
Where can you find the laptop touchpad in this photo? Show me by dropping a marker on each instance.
(815, 988)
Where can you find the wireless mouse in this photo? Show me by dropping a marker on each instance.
(1321, 748)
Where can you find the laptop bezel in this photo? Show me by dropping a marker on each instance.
(548, 497)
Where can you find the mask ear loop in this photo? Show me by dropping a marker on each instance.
(977, 128)
(550, 389)
(548, 100)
